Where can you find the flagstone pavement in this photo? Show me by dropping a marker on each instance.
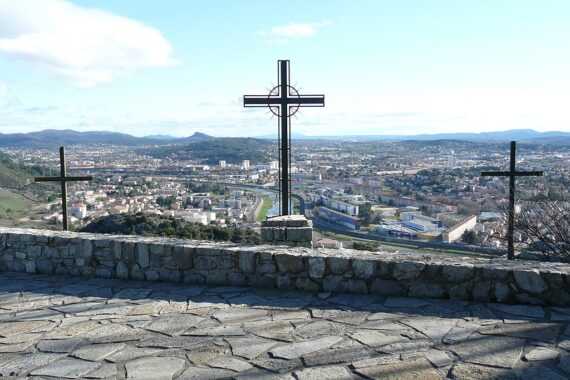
(70, 327)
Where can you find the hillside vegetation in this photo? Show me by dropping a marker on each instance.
(232, 150)
(154, 225)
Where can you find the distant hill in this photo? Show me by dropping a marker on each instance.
(197, 136)
(211, 151)
(53, 138)
(521, 135)
(67, 137)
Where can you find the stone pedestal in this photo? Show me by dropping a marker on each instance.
(291, 230)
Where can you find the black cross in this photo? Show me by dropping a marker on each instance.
(284, 101)
(63, 179)
(512, 174)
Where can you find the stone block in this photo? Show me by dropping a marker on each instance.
(422, 289)
(184, 257)
(317, 267)
(102, 243)
(279, 234)
(141, 250)
(156, 249)
(236, 279)
(494, 273)
(227, 262)
(364, 268)
(103, 272)
(87, 249)
(53, 253)
(303, 283)
(459, 292)
(338, 265)
(129, 252)
(335, 283)
(502, 292)
(458, 273)
(481, 290)
(407, 270)
(287, 221)
(34, 252)
(357, 286)
(289, 263)
(30, 266)
(246, 261)
(266, 234)
(284, 282)
(137, 273)
(530, 280)
(386, 288)
(264, 282)
(122, 271)
(555, 279)
(204, 263)
(266, 267)
(151, 275)
(15, 266)
(217, 277)
(21, 255)
(59, 269)
(169, 275)
(193, 278)
(117, 249)
(44, 266)
(301, 234)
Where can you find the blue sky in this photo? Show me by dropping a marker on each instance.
(386, 67)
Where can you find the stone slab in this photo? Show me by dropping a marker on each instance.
(69, 368)
(405, 370)
(503, 351)
(250, 347)
(157, 368)
(296, 350)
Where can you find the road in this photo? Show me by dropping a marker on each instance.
(322, 225)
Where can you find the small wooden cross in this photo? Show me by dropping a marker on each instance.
(63, 179)
(512, 174)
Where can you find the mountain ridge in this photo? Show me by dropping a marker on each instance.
(54, 138)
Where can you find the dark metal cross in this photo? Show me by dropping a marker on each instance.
(63, 179)
(512, 174)
(284, 101)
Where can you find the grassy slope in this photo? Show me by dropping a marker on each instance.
(13, 201)
(267, 203)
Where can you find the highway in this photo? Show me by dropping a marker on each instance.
(324, 226)
(338, 229)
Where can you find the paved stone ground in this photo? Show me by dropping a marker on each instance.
(69, 327)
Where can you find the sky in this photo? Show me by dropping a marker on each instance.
(385, 67)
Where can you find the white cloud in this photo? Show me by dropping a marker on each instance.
(286, 33)
(82, 46)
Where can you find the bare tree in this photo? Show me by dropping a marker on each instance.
(544, 223)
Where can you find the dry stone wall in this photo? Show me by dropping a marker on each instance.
(347, 271)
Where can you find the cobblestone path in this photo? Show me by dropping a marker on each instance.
(69, 327)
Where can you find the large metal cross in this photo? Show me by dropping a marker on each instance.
(284, 101)
(512, 174)
(63, 179)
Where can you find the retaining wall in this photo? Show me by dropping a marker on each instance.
(390, 274)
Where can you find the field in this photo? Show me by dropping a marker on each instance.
(267, 204)
(12, 201)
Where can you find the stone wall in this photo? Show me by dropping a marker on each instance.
(414, 275)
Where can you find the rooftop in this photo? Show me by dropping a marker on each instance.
(69, 327)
